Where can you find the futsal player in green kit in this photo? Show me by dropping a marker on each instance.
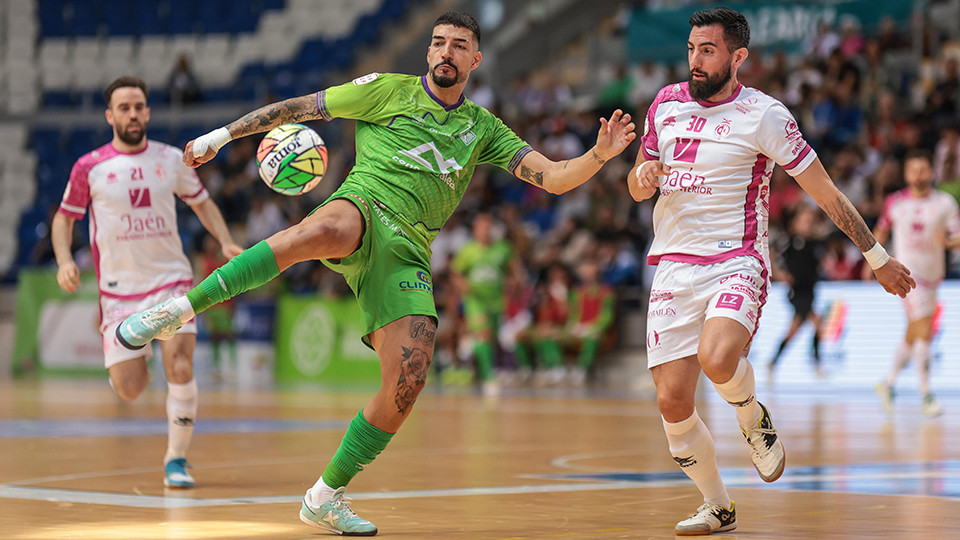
(480, 271)
(418, 141)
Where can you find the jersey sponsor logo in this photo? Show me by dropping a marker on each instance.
(369, 77)
(160, 171)
(657, 295)
(139, 197)
(686, 182)
(661, 312)
(670, 121)
(685, 149)
(138, 227)
(723, 129)
(725, 244)
(416, 285)
(653, 340)
(730, 301)
(423, 276)
(112, 178)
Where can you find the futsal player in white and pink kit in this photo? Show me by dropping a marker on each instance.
(130, 185)
(922, 222)
(709, 147)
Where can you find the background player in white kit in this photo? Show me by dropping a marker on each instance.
(130, 185)
(709, 146)
(922, 222)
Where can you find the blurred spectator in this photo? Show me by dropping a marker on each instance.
(218, 318)
(264, 219)
(182, 85)
(592, 309)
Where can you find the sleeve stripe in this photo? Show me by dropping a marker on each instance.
(518, 157)
(73, 209)
(799, 158)
(194, 195)
(322, 106)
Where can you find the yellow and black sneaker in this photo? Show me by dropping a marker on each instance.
(766, 450)
(710, 518)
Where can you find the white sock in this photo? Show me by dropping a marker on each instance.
(319, 493)
(741, 392)
(692, 448)
(184, 304)
(901, 357)
(921, 355)
(181, 415)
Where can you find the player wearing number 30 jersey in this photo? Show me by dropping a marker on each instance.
(709, 147)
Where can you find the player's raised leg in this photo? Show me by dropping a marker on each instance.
(722, 358)
(332, 231)
(181, 407)
(405, 348)
(692, 446)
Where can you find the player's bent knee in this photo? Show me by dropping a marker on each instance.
(674, 407)
(129, 389)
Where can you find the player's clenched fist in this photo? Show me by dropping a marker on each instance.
(647, 179)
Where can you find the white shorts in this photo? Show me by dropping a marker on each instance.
(684, 296)
(113, 311)
(921, 301)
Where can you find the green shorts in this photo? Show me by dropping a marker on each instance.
(389, 273)
(481, 316)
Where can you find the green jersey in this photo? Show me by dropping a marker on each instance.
(416, 155)
(485, 268)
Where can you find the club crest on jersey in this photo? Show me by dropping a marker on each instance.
(468, 137)
(669, 121)
(723, 129)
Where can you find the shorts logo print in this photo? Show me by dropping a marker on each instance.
(730, 301)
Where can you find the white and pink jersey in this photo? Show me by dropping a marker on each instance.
(133, 217)
(916, 224)
(714, 204)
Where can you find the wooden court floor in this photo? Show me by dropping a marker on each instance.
(78, 463)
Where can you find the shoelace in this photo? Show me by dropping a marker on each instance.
(157, 318)
(756, 439)
(343, 504)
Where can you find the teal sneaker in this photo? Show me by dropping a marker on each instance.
(175, 474)
(336, 516)
(886, 394)
(159, 322)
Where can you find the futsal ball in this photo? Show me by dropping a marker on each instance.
(292, 159)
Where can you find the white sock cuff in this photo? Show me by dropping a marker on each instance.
(738, 375)
(683, 426)
(183, 392)
(184, 304)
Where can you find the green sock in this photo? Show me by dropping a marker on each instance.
(521, 355)
(484, 354)
(248, 270)
(549, 351)
(588, 351)
(360, 446)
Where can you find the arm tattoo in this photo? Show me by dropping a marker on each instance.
(413, 375)
(296, 109)
(529, 175)
(848, 219)
(597, 157)
(423, 329)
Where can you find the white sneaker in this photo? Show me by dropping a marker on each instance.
(710, 518)
(766, 450)
(930, 406)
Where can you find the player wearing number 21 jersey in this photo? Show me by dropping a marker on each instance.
(418, 140)
(709, 146)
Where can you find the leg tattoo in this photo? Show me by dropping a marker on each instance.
(413, 375)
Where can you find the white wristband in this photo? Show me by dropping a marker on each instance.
(215, 139)
(876, 256)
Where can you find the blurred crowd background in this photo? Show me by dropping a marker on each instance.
(864, 95)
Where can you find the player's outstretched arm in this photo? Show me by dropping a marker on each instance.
(298, 109)
(562, 176)
(61, 235)
(892, 275)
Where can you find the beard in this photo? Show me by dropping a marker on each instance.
(132, 138)
(442, 80)
(703, 90)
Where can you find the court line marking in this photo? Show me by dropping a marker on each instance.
(152, 501)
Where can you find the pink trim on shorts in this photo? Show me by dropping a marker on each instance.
(141, 296)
